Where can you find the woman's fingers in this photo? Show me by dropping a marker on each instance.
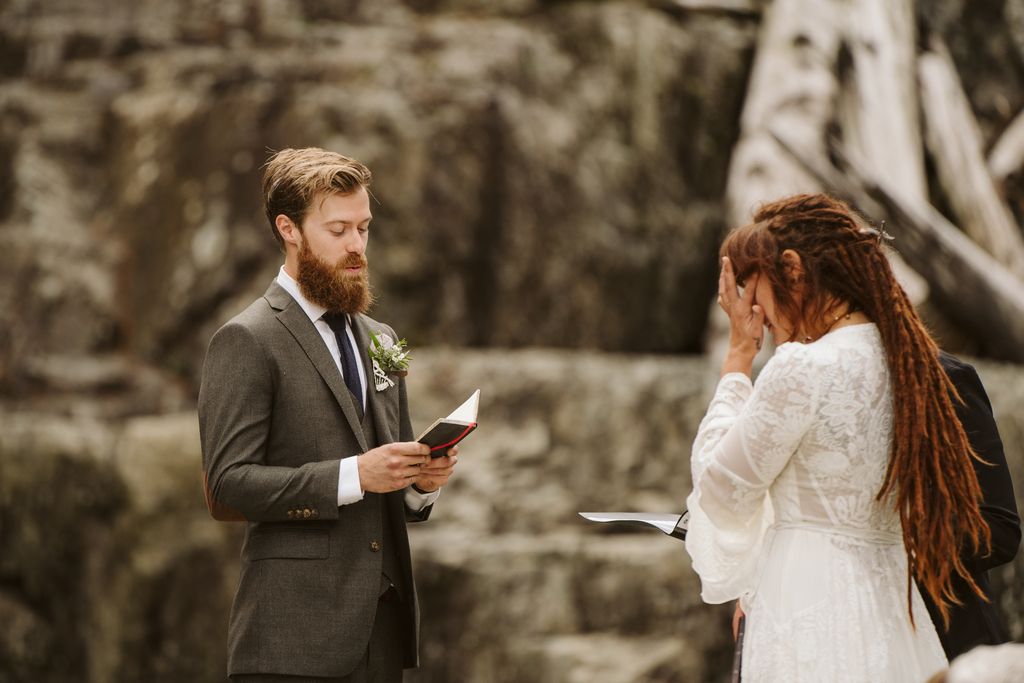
(758, 327)
(721, 287)
(733, 302)
(748, 291)
(727, 289)
(746, 318)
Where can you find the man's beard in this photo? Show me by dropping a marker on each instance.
(330, 286)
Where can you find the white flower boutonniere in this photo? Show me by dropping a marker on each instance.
(389, 358)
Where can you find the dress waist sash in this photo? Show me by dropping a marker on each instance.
(877, 536)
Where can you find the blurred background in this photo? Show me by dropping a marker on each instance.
(552, 179)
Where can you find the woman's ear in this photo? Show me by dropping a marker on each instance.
(792, 266)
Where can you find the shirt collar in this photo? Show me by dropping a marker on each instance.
(288, 283)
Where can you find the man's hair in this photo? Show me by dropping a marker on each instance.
(293, 177)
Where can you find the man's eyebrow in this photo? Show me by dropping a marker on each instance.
(344, 222)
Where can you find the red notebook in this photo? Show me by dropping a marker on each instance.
(448, 431)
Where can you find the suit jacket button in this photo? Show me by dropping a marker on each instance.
(375, 546)
(306, 513)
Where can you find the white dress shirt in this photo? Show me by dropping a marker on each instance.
(349, 489)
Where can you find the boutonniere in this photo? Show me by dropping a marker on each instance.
(389, 357)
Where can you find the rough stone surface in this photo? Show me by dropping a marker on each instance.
(573, 148)
(112, 571)
(548, 174)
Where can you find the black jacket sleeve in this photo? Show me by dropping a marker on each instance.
(999, 506)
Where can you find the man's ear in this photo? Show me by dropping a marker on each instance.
(792, 266)
(289, 232)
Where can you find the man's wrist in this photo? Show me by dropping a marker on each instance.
(350, 487)
(417, 489)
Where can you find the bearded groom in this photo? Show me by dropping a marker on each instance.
(301, 443)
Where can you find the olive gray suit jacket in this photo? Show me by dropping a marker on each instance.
(275, 419)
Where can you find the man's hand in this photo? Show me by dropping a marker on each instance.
(392, 466)
(435, 473)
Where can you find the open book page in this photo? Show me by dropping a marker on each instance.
(467, 411)
(668, 523)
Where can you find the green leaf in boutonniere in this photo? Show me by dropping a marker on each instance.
(390, 356)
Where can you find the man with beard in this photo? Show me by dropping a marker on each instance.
(318, 458)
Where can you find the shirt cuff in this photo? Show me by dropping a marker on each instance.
(416, 501)
(349, 490)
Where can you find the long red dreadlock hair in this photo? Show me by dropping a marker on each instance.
(936, 490)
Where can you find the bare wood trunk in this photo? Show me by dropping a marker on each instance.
(741, 8)
(825, 62)
(955, 143)
(877, 107)
(819, 64)
(970, 285)
(792, 86)
(1007, 155)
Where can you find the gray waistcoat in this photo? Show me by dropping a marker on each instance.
(391, 571)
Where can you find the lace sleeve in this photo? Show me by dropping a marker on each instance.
(744, 441)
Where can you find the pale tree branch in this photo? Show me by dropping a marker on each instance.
(973, 288)
(740, 8)
(1007, 155)
(954, 141)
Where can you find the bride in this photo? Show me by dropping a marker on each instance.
(821, 490)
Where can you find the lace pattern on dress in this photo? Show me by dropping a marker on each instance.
(783, 515)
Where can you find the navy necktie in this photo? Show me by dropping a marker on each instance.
(336, 321)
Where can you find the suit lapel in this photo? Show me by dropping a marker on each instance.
(305, 333)
(362, 334)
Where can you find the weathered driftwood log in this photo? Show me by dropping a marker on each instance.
(1007, 155)
(821, 64)
(968, 284)
(955, 143)
(824, 64)
(877, 105)
(741, 8)
(791, 86)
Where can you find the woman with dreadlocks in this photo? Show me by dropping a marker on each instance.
(822, 490)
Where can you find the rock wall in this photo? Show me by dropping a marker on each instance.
(572, 148)
(112, 571)
(548, 174)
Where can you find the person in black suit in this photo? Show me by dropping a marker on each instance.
(977, 622)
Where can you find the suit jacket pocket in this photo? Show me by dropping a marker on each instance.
(301, 544)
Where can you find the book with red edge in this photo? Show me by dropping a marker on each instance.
(448, 431)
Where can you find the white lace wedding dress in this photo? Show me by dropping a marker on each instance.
(783, 516)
